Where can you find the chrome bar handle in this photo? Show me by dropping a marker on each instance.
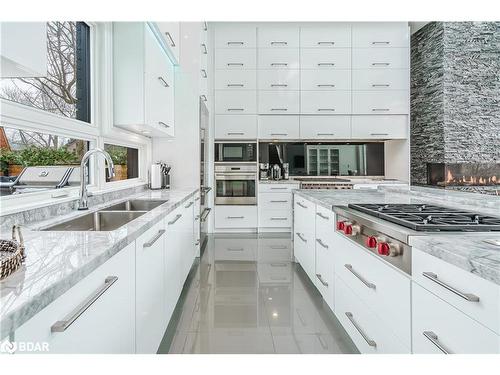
(154, 239)
(205, 51)
(163, 124)
(235, 85)
(327, 43)
(205, 213)
(301, 237)
(281, 43)
(326, 64)
(324, 85)
(375, 43)
(205, 26)
(361, 278)
(235, 109)
(203, 97)
(279, 134)
(301, 205)
(172, 43)
(235, 249)
(237, 43)
(321, 280)
(235, 217)
(279, 64)
(432, 337)
(322, 216)
(318, 240)
(380, 85)
(63, 325)
(235, 133)
(375, 134)
(284, 201)
(326, 109)
(279, 85)
(162, 80)
(279, 188)
(380, 109)
(324, 134)
(177, 217)
(235, 64)
(381, 64)
(279, 109)
(466, 296)
(279, 218)
(203, 73)
(361, 332)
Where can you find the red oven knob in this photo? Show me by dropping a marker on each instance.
(340, 225)
(384, 248)
(348, 229)
(371, 242)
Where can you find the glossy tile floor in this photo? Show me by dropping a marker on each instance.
(247, 296)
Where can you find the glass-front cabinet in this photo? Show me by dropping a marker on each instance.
(322, 160)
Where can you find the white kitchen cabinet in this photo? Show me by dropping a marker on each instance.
(325, 102)
(171, 35)
(325, 127)
(472, 295)
(106, 326)
(243, 217)
(278, 58)
(235, 126)
(269, 218)
(26, 59)
(380, 127)
(236, 58)
(275, 201)
(279, 102)
(380, 34)
(380, 79)
(143, 81)
(440, 328)
(377, 102)
(278, 36)
(235, 36)
(380, 58)
(150, 297)
(188, 238)
(279, 127)
(325, 80)
(324, 281)
(196, 224)
(173, 259)
(338, 58)
(285, 79)
(235, 102)
(232, 79)
(304, 239)
(332, 35)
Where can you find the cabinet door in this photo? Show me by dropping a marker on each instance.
(106, 326)
(235, 102)
(150, 296)
(325, 80)
(380, 34)
(173, 247)
(380, 127)
(339, 58)
(304, 232)
(325, 102)
(278, 58)
(377, 102)
(235, 36)
(235, 126)
(232, 79)
(279, 102)
(284, 79)
(335, 35)
(279, 127)
(278, 37)
(380, 79)
(325, 127)
(380, 58)
(236, 59)
(171, 35)
(324, 254)
(188, 235)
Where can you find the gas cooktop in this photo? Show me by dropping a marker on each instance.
(428, 218)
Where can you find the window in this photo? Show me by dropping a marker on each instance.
(66, 88)
(126, 160)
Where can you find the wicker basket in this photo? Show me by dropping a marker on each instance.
(11, 253)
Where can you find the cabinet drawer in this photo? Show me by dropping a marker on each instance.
(99, 329)
(381, 58)
(279, 127)
(275, 218)
(231, 217)
(380, 102)
(384, 289)
(235, 36)
(285, 79)
(235, 102)
(380, 127)
(275, 201)
(278, 102)
(380, 79)
(319, 79)
(278, 37)
(275, 249)
(325, 102)
(325, 223)
(325, 127)
(336, 35)
(339, 58)
(486, 310)
(368, 332)
(278, 188)
(236, 59)
(324, 255)
(304, 218)
(275, 272)
(235, 126)
(231, 79)
(278, 59)
(380, 34)
(439, 327)
(241, 249)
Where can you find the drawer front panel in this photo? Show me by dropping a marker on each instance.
(275, 218)
(380, 102)
(338, 58)
(286, 79)
(277, 188)
(384, 58)
(275, 201)
(235, 102)
(325, 102)
(244, 217)
(325, 127)
(279, 127)
(380, 34)
(278, 102)
(235, 36)
(325, 223)
(235, 127)
(278, 59)
(236, 59)
(231, 79)
(320, 79)
(380, 79)
(380, 127)
(278, 37)
(336, 35)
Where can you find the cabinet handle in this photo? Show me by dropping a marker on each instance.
(163, 124)
(467, 296)
(379, 134)
(204, 214)
(279, 188)
(326, 109)
(279, 64)
(204, 73)
(380, 109)
(361, 278)
(321, 280)
(235, 133)
(280, 43)
(197, 243)
(322, 216)
(205, 51)
(278, 265)
(375, 43)
(235, 64)
(172, 43)
(279, 218)
(235, 249)
(279, 109)
(381, 64)
(322, 243)
(327, 43)
(205, 26)
(197, 217)
(235, 217)
(163, 81)
(235, 85)
(154, 239)
(279, 201)
(278, 247)
(301, 237)
(301, 205)
(324, 134)
(326, 64)
(235, 109)
(380, 85)
(62, 325)
(189, 205)
(279, 134)
(358, 328)
(279, 85)
(235, 43)
(432, 337)
(321, 85)
(203, 97)
(177, 217)
(197, 198)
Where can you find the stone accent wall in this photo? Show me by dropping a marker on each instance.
(455, 94)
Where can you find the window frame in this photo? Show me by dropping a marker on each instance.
(98, 131)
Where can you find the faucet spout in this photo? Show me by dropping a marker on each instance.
(83, 200)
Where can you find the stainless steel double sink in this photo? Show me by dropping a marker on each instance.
(109, 218)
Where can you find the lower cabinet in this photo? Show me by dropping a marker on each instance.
(95, 316)
(275, 206)
(235, 217)
(324, 248)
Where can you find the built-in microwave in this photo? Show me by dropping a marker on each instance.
(237, 152)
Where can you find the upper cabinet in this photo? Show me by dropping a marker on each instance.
(26, 59)
(143, 81)
(238, 35)
(380, 34)
(337, 35)
(171, 35)
(278, 36)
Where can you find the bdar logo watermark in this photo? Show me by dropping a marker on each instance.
(10, 347)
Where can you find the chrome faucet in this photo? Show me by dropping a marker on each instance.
(83, 202)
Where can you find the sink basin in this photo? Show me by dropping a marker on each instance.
(135, 205)
(97, 221)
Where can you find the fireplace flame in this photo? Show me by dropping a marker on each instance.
(469, 180)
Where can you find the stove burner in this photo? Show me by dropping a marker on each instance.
(426, 217)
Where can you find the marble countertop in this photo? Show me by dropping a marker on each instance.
(342, 180)
(56, 261)
(467, 251)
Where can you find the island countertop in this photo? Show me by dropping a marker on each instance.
(56, 261)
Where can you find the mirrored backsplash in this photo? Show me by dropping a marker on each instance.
(325, 158)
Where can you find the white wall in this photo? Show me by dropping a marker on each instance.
(397, 159)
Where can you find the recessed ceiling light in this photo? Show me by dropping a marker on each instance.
(270, 298)
(275, 314)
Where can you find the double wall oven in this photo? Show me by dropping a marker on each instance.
(235, 173)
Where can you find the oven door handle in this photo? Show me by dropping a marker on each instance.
(235, 176)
